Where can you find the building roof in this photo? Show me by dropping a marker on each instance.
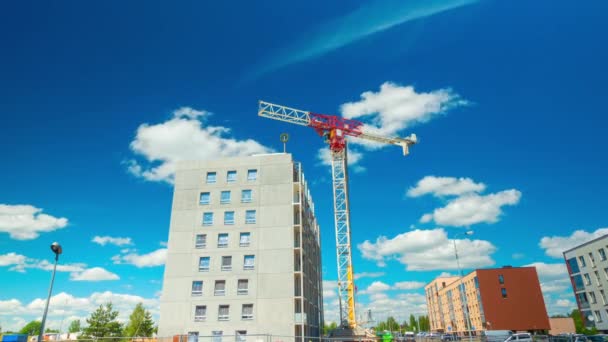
(586, 243)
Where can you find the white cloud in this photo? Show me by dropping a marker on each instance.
(368, 275)
(445, 186)
(65, 307)
(184, 137)
(394, 108)
(155, 258)
(473, 208)
(408, 285)
(94, 274)
(26, 222)
(354, 157)
(116, 241)
(78, 271)
(330, 289)
(376, 287)
(428, 250)
(367, 19)
(550, 271)
(555, 246)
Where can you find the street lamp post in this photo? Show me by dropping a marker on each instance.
(56, 248)
(463, 294)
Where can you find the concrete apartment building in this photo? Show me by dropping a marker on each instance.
(243, 251)
(507, 298)
(588, 270)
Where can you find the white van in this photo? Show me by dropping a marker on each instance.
(496, 335)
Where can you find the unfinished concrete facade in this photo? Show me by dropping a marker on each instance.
(243, 251)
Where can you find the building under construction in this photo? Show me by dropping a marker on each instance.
(244, 252)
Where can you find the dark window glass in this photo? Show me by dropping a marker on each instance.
(503, 291)
(573, 265)
(501, 279)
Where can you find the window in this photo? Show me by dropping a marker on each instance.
(201, 241)
(241, 335)
(223, 314)
(192, 336)
(597, 277)
(578, 282)
(573, 265)
(603, 294)
(581, 260)
(503, 291)
(242, 287)
(247, 311)
(197, 288)
(220, 288)
(501, 279)
(203, 264)
(222, 240)
(592, 259)
(205, 198)
(229, 217)
(592, 296)
(249, 262)
(587, 279)
(250, 216)
(217, 336)
(245, 239)
(602, 254)
(598, 316)
(231, 176)
(246, 196)
(207, 219)
(606, 273)
(252, 174)
(226, 263)
(200, 313)
(211, 177)
(224, 197)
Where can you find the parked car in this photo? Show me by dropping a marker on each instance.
(496, 335)
(450, 337)
(434, 335)
(523, 337)
(598, 338)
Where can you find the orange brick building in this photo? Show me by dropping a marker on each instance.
(507, 298)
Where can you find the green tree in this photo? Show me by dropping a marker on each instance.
(32, 328)
(140, 322)
(424, 323)
(405, 326)
(413, 322)
(327, 329)
(74, 326)
(103, 323)
(391, 324)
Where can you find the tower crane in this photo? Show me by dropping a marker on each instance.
(335, 129)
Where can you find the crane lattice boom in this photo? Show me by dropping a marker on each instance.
(335, 129)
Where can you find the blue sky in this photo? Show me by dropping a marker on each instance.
(99, 99)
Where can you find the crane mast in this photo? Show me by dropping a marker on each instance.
(335, 129)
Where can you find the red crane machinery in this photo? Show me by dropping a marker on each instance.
(335, 129)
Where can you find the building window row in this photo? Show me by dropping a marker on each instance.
(223, 313)
(222, 240)
(204, 263)
(226, 197)
(219, 288)
(250, 217)
(583, 263)
(252, 175)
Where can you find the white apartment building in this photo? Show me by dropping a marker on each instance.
(588, 268)
(243, 251)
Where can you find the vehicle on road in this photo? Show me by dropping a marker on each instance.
(496, 335)
(450, 337)
(433, 335)
(522, 337)
(598, 338)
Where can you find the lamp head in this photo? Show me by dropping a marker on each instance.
(56, 248)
